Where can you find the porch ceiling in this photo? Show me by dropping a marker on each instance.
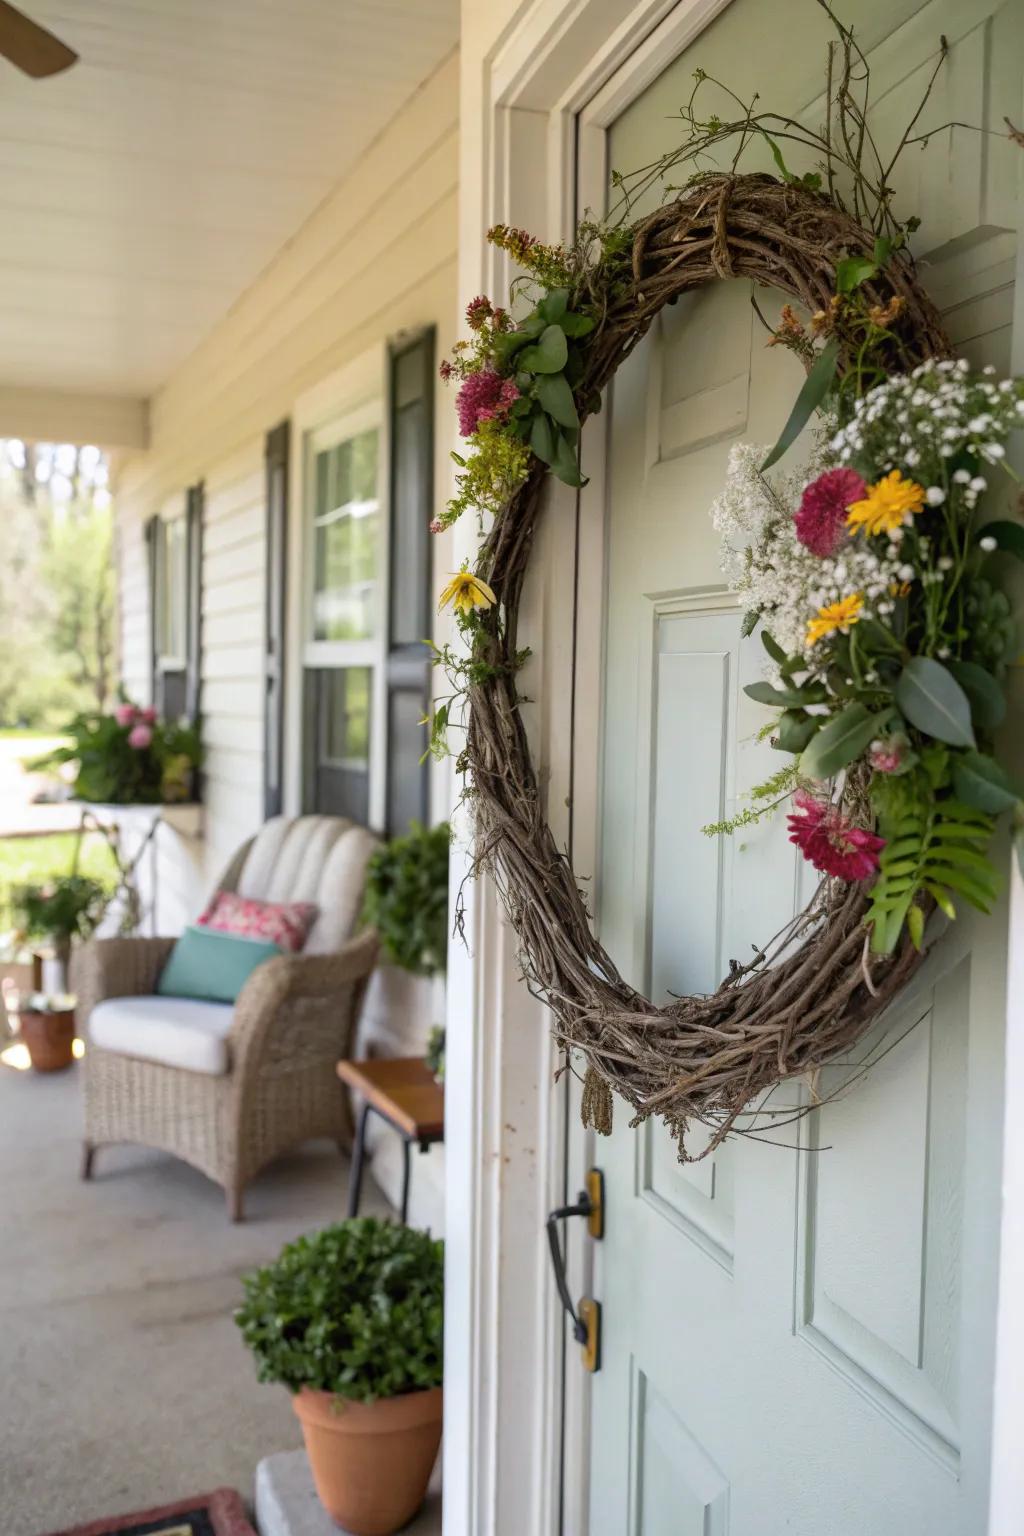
(143, 190)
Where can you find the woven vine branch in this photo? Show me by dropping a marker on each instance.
(815, 989)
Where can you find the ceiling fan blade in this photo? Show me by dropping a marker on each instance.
(30, 46)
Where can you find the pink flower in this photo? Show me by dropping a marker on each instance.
(477, 311)
(140, 737)
(125, 714)
(885, 759)
(821, 517)
(436, 525)
(148, 715)
(831, 842)
(484, 396)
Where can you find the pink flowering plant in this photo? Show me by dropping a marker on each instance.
(129, 757)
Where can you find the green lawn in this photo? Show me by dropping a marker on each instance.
(30, 860)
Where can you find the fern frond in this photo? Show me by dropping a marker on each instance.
(940, 850)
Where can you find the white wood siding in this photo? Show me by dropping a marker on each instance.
(377, 257)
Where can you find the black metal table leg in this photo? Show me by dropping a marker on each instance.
(355, 1184)
(406, 1163)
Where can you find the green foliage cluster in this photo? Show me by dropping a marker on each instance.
(111, 771)
(356, 1309)
(407, 898)
(67, 907)
(542, 356)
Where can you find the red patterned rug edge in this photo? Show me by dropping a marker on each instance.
(224, 1506)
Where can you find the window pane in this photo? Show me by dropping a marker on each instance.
(407, 778)
(345, 717)
(346, 524)
(172, 586)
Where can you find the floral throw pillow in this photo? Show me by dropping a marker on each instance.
(285, 923)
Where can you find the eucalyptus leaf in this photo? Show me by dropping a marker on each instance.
(763, 692)
(542, 438)
(796, 728)
(931, 699)
(854, 270)
(840, 741)
(555, 396)
(554, 305)
(576, 325)
(507, 344)
(979, 782)
(988, 704)
(564, 463)
(773, 648)
(815, 387)
(548, 355)
(749, 623)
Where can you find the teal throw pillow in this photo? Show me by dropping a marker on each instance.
(212, 966)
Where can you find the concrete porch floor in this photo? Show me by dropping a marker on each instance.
(126, 1383)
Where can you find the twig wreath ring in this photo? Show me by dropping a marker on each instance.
(883, 624)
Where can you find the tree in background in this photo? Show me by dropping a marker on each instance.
(57, 583)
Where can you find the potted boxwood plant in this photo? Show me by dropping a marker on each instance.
(350, 1320)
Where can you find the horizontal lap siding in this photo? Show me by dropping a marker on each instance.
(378, 256)
(234, 565)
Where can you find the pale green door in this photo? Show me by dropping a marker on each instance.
(795, 1342)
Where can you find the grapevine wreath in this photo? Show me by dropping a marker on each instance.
(886, 634)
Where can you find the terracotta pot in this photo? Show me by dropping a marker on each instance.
(49, 1037)
(371, 1461)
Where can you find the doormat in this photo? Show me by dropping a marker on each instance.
(220, 1513)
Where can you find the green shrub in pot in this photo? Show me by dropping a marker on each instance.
(351, 1321)
(407, 898)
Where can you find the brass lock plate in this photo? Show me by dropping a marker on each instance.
(590, 1314)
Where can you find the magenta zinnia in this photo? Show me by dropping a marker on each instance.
(484, 396)
(821, 517)
(832, 843)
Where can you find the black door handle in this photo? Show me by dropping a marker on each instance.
(589, 1203)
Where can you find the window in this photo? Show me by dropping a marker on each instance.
(172, 591)
(175, 557)
(345, 613)
(368, 493)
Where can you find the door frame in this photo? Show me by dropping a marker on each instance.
(542, 94)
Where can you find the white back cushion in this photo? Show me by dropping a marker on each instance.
(312, 858)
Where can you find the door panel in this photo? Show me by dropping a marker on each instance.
(798, 1334)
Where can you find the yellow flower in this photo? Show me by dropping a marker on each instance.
(467, 592)
(886, 504)
(835, 616)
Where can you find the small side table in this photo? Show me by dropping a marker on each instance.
(402, 1091)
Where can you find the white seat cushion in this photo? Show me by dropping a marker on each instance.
(176, 1031)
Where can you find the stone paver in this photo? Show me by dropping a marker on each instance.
(287, 1505)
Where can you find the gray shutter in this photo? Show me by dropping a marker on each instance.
(408, 671)
(276, 545)
(152, 524)
(194, 512)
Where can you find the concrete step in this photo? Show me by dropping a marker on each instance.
(287, 1505)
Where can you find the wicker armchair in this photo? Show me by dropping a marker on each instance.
(292, 1021)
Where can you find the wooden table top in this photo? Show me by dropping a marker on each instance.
(403, 1089)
